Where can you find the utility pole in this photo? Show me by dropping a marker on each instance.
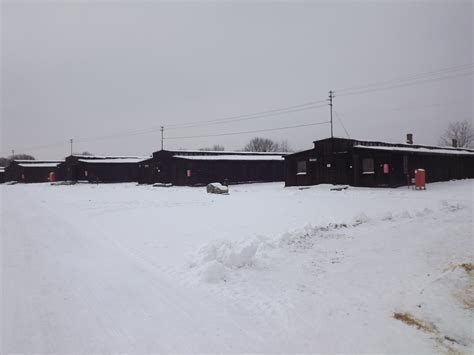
(13, 152)
(162, 129)
(71, 141)
(331, 96)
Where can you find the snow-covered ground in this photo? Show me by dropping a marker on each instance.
(141, 269)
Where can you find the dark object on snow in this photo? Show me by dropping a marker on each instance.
(96, 169)
(341, 161)
(158, 184)
(63, 183)
(28, 171)
(199, 168)
(217, 188)
(339, 188)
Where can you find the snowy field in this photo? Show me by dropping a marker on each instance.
(141, 269)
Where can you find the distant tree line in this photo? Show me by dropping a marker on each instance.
(259, 144)
(214, 148)
(5, 161)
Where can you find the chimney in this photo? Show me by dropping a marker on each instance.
(455, 143)
(409, 138)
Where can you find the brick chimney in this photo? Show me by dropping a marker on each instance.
(455, 143)
(409, 138)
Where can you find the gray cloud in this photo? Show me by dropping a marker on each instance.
(86, 69)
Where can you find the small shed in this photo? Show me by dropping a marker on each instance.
(373, 163)
(28, 171)
(194, 167)
(93, 168)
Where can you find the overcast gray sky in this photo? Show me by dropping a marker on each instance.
(88, 69)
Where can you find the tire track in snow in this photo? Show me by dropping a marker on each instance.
(186, 320)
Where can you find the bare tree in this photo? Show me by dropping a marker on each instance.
(215, 147)
(283, 146)
(21, 157)
(259, 144)
(87, 153)
(462, 132)
(5, 161)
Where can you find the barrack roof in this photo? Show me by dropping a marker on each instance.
(39, 165)
(90, 157)
(230, 157)
(218, 152)
(418, 149)
(114, 160)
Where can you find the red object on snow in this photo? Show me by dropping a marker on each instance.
(420, 179)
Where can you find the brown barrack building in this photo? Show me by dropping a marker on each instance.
(194, 167)
(93, 168)
(28, 171)
(375, 164)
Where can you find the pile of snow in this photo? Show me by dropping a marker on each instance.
(215, 260)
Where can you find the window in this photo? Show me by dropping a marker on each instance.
(301, 167)
(368, 166)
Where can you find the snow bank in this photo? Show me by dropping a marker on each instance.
(215, 260)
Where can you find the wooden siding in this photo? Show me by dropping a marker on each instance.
(337, 161)
(31, 174)
(165, 167)
(75, 170)
(202, 172)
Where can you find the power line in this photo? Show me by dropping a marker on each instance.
(271, 113)
(62, 143)
(249, 118)
(397, 109)
(253, 131)
(342, 124)
(413, 82)
(410, 107)
(250, 115)
(409, 77)
(118, 135)
(152, 130)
